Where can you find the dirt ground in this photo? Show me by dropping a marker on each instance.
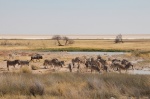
(138, 62)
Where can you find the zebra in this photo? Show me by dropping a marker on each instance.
(93, 67)
(47, 62)
(70, 67)
(78, 60)
(11, 63)
(53, 62)
(22, 62)
(121, 66)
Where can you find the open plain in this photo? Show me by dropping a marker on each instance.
(36, 81)
(79, 45)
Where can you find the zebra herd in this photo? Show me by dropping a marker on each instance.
(93, 64)
(99, 64)
(22, 62)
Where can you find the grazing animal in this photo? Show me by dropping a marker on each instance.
(23, 63)
(124, 61)
(121, 66)
(78, 60)
(88, 63)
(127, 63)
(11, 63)
(70, 67)
(58, 63)
(54, 62)
(99, 63)
(47, 62)
(93, 65)
(37, 57)
(99, 58)
(116, 61)
(95, 68)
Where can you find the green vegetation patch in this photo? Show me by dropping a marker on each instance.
(75, 49)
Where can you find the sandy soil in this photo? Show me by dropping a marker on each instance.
(139, 63)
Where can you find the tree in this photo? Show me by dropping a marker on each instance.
(65, 38)
(118, 38)
(58, 38)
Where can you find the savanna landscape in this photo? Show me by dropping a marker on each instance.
(50, 78)
(74, 49)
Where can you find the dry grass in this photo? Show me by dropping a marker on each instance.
(25, 69)
(34, 67)
(79, 44)
(74, 86)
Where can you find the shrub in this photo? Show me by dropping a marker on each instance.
(36, 88)
(25, 70)
(34, 67)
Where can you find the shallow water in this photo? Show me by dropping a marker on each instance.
(145, 71)
(97, 53)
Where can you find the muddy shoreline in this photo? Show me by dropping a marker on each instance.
(140, 64)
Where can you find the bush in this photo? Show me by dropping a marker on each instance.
(74, 86)
(25, 70)
(34, 67)
(36, 88)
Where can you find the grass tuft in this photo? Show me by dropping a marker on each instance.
(34, 67)
(75, 85)
(25, 69)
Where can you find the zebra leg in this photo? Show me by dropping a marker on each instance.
(106, 68)
(99, 71)
(45, 67)
(119, 70)
(132, 67)
(86, 69)
(8, 67)
(73, 64)
(78, 65)
(70, 69)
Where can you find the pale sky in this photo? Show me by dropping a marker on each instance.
(74, 17)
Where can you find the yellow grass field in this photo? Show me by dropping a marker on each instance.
(36, 82)
(90, 45)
